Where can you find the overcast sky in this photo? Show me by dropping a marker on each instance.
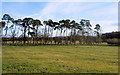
(103, 13)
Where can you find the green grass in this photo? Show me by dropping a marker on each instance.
(60, 59)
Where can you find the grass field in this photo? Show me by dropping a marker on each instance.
(60, 59)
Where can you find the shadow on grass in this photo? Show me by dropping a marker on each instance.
(61, 45)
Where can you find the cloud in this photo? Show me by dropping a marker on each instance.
(60, 10)
(106, 16)
(57, 10)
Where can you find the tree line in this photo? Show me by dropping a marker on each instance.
(111, 38)
(29, 31)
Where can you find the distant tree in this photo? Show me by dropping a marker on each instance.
(25, 24)
(45, 31)
(98, 28)
(61, 22)
(29, 24)
(79, 27)
(2, 25)
(82, 23)
(88, 29)
(37, 23)
(52, 26)
(13, 30)
(74, 26)
(57, 27)
(19, 22)
(67, 26)
(62, 26)
(8, 19)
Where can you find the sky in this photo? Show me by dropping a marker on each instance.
(103, 13)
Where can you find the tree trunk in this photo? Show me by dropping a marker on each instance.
(28, 34)
(56, 39)
(48, 34)
(82, 37)
(66, 37)
(24, 35)
(51, 36)
(45, 34)
(37, 35)
(6, 31)
(75, 36)
(71, 35)
(61, 36)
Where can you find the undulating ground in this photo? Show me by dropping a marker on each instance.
(60, 59)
